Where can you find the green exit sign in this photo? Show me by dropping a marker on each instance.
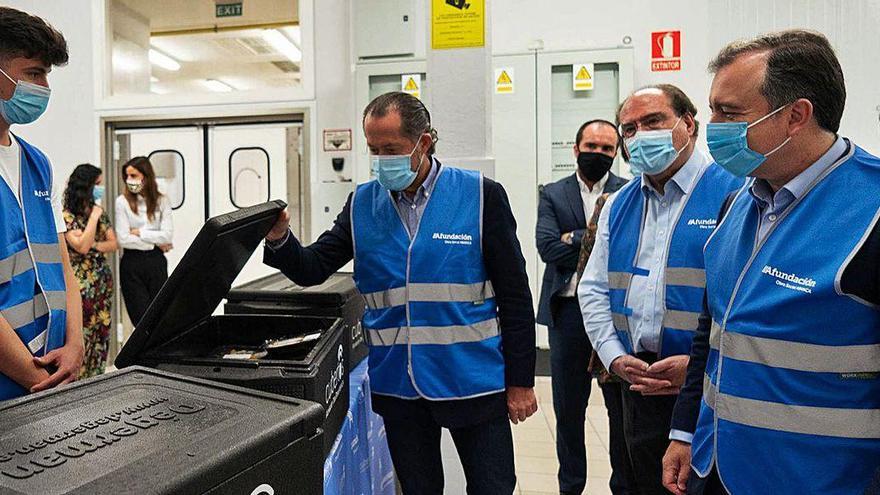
(228, 9)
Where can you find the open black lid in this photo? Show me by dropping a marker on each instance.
(202, 278)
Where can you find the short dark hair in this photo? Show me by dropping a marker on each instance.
(583, 127)
(680, 102)
(800, 64)
(415, 119)
(28, 36)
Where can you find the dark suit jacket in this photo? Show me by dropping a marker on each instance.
(561, 210)
(861, 278)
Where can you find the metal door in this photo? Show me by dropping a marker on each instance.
(249, 165)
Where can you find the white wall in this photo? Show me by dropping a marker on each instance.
(335, 109)
(706, 25)
(68, 132)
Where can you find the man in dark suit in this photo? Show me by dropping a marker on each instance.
(564, 210)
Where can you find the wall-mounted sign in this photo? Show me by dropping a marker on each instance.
(337, 139)
(582, 77)
(412, 84)
(504, 80)
(665, 51)
(228, 9)
(458, 23)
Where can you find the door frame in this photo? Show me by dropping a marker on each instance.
(623, 57)
(111, 157)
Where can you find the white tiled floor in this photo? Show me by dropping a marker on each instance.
(535, 449)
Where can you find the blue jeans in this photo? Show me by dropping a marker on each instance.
(485, 450)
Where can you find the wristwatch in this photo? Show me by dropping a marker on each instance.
(567, 238)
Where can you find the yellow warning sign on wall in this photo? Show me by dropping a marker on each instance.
(412, 84)
(582, 77)
(504, 80)
(458, 23)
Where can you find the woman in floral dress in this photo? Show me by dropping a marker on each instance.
(89, 237)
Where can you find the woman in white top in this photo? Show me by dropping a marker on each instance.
(144, 229)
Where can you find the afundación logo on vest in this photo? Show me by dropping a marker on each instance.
(790, 280)
(464, 239)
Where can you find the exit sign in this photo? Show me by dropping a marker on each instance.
(228, 9)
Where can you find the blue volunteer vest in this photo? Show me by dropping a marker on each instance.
(685, 277)
(430, 317)
(791, 396)
(32, 290)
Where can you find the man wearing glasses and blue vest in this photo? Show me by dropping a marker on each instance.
(41, 343)
(449, 313)
(783, 392)
(642, 290)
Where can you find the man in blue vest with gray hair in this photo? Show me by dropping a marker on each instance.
(41, 343)
(783, 392)
(449, 316)
(642, 290)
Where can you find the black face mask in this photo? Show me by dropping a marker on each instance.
(593, 166)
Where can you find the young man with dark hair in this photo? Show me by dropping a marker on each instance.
(41, 342)
(449, 316)
(782, 391)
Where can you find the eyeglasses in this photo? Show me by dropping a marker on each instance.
(652, 122)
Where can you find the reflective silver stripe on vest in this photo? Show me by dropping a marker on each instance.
(455, 334)
(621, 323)
(23, 313)
(46, 253)
(430, 293)
(800, 356)
(681, 320)
(38, 342)
(619, 280)
(708, 391)
(715, 336)
(15, 265)
(689, 277)
(809, 420)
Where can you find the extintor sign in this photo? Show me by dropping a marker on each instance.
(665, 51)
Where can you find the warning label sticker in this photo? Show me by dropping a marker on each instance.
(582, 77)
(412, 84)
(504, 80)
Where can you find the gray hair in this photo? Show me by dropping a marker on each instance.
(800, 64)
(414, 117)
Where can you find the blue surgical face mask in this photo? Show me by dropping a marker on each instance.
(98, 193)
(652, 152)
(28, 102)
(729, 145)
(394, 172)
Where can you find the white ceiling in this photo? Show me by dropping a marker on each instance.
(240, 57)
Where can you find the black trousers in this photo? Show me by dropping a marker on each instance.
(485, 450)
(570, 352)
(710, 485)
(646, 421)
(141, 275)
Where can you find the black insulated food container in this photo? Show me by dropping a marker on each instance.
(144, 431)
(263, 352)
(276, 294)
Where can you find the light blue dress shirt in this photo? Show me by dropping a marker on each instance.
(646, 294)
(412, 209)
(772, 205)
